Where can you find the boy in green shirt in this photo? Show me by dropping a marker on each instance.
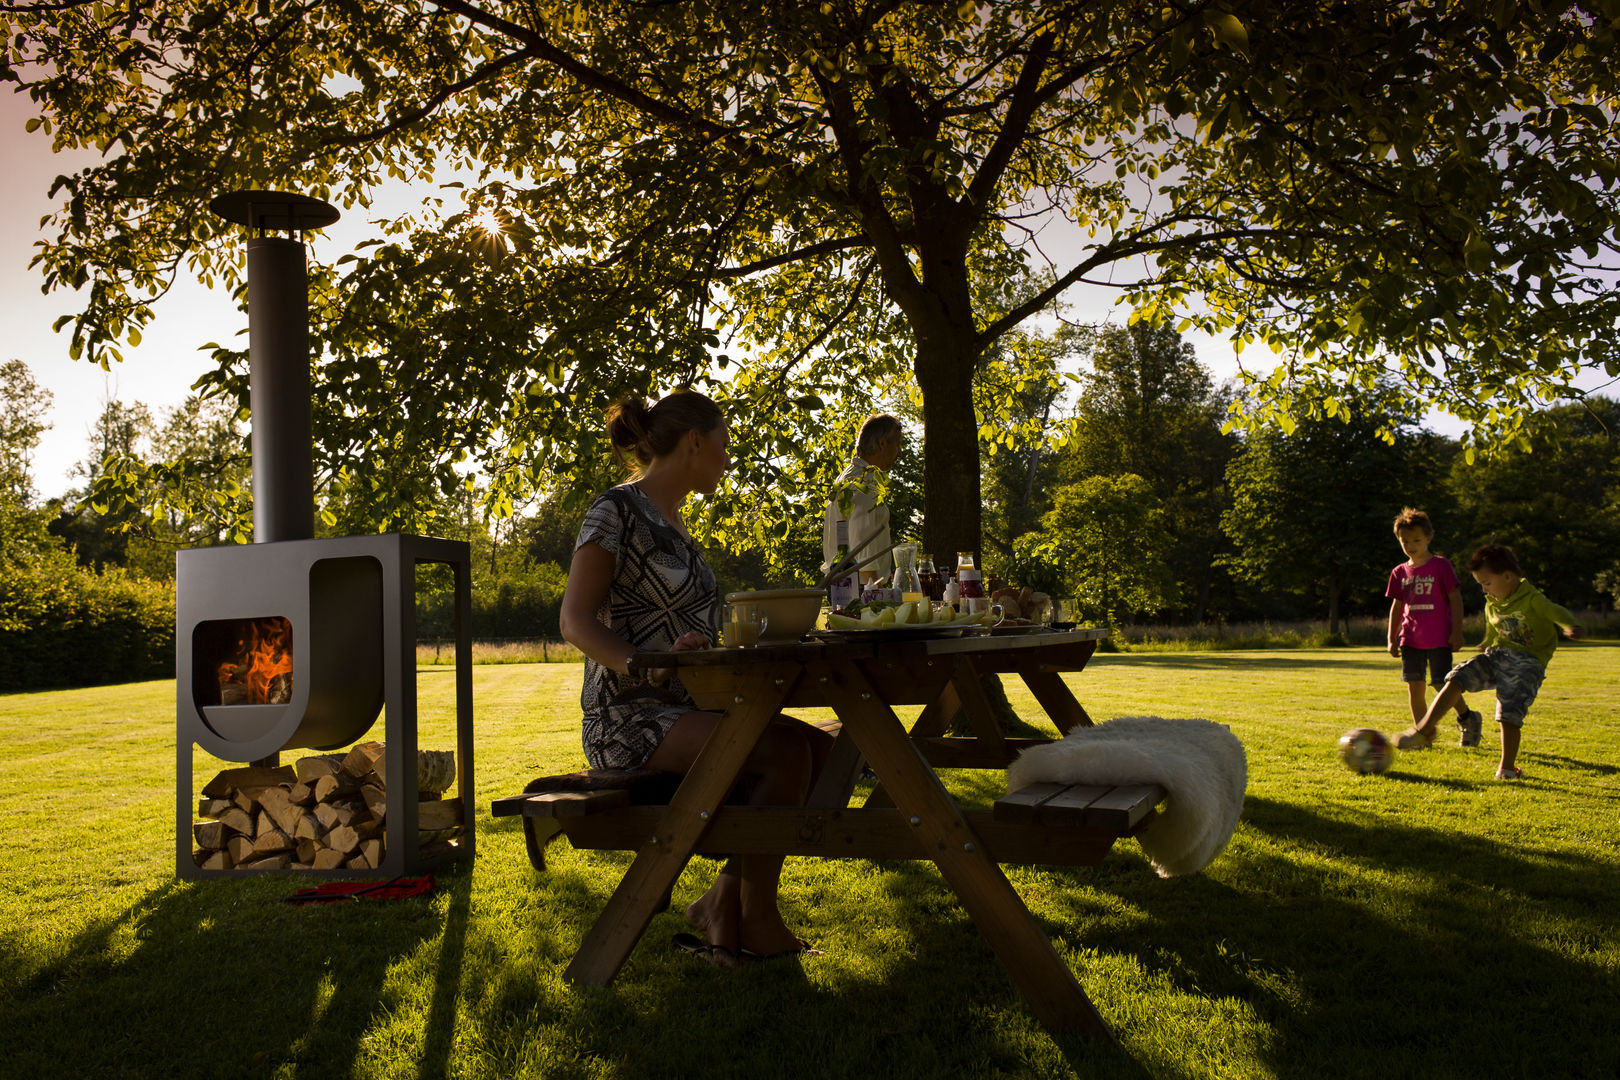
(1521, 632)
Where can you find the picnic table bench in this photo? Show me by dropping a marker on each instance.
(666, 819)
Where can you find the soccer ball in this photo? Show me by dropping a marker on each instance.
(1366, 751)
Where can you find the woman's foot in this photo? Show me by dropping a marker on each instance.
(716, 914)
(768, 936)
(1510, 772)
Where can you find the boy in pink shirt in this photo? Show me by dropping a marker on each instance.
(1425, 618)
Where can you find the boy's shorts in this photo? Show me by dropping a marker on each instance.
(1516, 677)
(1414, 660)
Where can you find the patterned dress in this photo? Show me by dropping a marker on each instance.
(661, 589)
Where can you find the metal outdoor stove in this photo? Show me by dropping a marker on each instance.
(341, 611)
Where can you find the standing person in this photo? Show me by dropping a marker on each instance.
(1521, 632)
(854, 496)
(638, 582)
(1425, 618)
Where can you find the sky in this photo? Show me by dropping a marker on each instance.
(160, 371)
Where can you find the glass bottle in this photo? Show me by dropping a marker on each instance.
(970, 585)
(842, 591)
(933, 586)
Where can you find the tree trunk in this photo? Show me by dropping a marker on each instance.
(944, 367)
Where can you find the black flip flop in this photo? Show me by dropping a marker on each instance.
(804, 949)
(718, 955)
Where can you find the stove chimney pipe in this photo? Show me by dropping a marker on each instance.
(278, 358)
(279, 378)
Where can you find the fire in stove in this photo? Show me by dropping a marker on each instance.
(259, 669)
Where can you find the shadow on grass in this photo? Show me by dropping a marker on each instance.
(920, 995)
(221, 978)
(1375, 948)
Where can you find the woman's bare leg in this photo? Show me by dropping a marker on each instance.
(739, 910)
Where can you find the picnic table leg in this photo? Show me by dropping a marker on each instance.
(660, 860)
(935, 719)
(1057, 699)
(1045, 981)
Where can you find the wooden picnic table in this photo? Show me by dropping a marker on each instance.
(910, 815)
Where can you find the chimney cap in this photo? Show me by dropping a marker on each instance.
(274, 210)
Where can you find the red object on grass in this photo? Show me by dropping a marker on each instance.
(393, 889)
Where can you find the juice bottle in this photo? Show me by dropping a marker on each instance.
(970, 586)
(933, 586)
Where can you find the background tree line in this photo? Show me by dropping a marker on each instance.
(1109, 476)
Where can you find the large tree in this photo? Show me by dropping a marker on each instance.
(834, 193)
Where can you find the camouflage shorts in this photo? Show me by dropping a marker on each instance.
(1515, 676)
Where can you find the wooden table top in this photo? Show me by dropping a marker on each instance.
(859, 643)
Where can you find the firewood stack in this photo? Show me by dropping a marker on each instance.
(323, 812)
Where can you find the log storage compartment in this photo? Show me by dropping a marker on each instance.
(324, 812)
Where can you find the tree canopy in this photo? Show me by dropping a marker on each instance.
(795, 204)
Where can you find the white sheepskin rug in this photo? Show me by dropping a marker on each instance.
(1200, 763)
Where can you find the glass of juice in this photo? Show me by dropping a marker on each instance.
(742, 626)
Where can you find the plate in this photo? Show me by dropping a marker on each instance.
(1032, 628)
(897, 633)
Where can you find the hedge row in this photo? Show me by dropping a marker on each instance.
(524, 606)
(62, 625)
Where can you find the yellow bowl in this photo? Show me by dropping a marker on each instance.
(789, 613)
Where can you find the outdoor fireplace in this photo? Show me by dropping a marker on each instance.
(296, 642)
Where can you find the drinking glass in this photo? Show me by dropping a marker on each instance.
(1067, 614)
(743, 626)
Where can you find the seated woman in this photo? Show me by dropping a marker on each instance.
(637, 582)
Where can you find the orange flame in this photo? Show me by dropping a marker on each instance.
(262, 655)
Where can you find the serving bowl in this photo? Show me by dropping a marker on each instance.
(789, 613)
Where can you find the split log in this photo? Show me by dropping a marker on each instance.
(335, 786)
(279, 861)
(376, 800)
(328, 815)
(239, 848)
(282, 810)
(312, 768)
(327, 859)
(301, 793)
(237, 820)
(210, 835)
(309, 827)
(433, 816)
(363, 758)
(435, 770)
(248, 779)
(271, 841)
(213, 860)
(212, 808)
(344, 839)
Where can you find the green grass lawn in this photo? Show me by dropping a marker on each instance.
(1431, 923)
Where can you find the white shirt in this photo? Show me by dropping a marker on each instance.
(866, 516)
